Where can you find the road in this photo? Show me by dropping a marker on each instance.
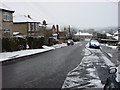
(47, 70)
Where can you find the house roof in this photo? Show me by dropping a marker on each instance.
(109, 35)
(83, 34)
(49, 26)
(23, 19)
(115, 37)
(116, 33)
(5, 8)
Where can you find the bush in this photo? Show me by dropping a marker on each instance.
(16, 43)
(13, 44)
(35, 42)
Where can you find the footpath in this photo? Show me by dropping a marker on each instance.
(10, 56)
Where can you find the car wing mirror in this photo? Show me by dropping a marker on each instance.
(112, 70)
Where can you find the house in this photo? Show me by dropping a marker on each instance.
(25, 25)
(82, 36)
(46, 31)
(6, 21)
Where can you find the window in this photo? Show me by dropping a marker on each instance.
(6, 16)
(33, 26)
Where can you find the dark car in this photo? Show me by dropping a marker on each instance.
(94, 44)
(70, 42)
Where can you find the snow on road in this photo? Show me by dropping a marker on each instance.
(85, 75)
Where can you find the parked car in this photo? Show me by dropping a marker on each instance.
(112, 82)
(70, 42)
(94, 44)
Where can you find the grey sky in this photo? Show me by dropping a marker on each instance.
(77, 14)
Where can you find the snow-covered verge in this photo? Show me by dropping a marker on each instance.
(112, 47)
(60, 45)
(87, 73)
(16, 54)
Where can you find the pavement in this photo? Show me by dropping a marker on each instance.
(18, 55)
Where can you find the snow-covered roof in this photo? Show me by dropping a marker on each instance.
(116, 37)
(83, 34)
(15, 33)
(4, 7)
(19, 36)
(116, 33)
(49, 26)
(109, 35)
(55, 34)
(22, 18)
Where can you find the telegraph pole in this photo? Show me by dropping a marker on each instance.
(57, 31)
(79, 35)
(69, 32)
(119, 21)
(118, 28)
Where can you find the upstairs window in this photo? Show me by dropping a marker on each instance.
(32, 27)
(6, 16)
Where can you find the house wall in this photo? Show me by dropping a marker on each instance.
(21, 27)
(41, 31)
(83, 37)
(7, 25)
(35, 31)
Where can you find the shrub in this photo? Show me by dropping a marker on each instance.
(35, 42)
(17, 43)
(13, 44)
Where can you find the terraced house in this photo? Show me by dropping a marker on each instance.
(6, 21)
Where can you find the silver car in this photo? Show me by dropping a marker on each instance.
(94, 44)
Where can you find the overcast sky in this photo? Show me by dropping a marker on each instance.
(76, 14)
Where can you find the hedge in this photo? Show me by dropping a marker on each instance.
(35, 42)
(16, 43)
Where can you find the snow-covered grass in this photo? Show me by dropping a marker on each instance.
(11, 55)
(113, 47)
(85, 75)
(80, 76)
(60, 45)
(16, 54)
